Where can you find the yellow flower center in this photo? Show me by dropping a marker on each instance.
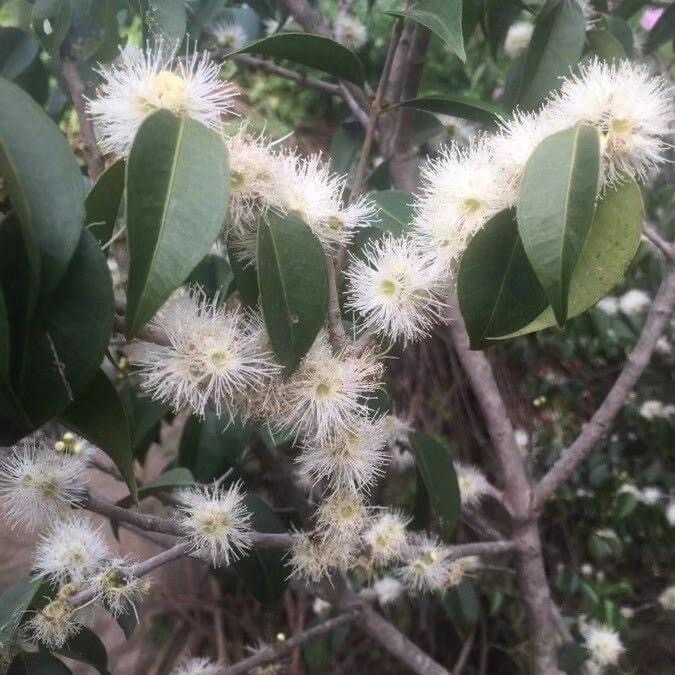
(166, 90)
(472, 205)
(220, 360)
(621, 126)
(388, 287)
(215, 524)
(323, 390)
(237, 181)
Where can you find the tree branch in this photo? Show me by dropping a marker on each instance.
(600, 423)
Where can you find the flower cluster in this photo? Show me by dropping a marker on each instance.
(603, 644)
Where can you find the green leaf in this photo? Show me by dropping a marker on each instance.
(164, 23)
(245, 277)
(434, 462)
(627, 8)
(557, 44)
(127, 622)
(622, 32)
(462, 605)
(44, 183)
(345, 147)
(210, 446)
(310, 50)
(13, 605)
(605, 45)
(457, 106)
(293, 285)
(611, 244)
(103, 202)
(177, 197)
(167, 481)
(396, 211)
(143, 416)
(442, 17)
(497, 287)
(98, 414)
(572, 657)
(663, 30)
(499, 15)
(214, 276)
(18, 49)
(69, 335)
(556, 206)
(87, 648)
(37, 663)
(263, 570)
(51, 21)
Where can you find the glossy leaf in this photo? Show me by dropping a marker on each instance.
(98, 414)
(457, 106)
(51, 21)
(214, 276)
(293, 285)
(245, 277)
(44, 183)
(18, 49)
(611, 244)
(103, 202)
(86, 647)
(497, 288)
(442, 17)
(37, 663)
(555, 209)
(557, 44)
(177, 197)
(164, 23)
(311, 50)
(396, 211)
(13, 605)
(434, 462)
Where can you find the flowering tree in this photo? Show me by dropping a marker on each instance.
(198, 267)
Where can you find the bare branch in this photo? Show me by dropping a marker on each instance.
(652, 233)
(600, 423)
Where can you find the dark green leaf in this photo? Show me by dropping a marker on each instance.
(572, 657)
(127, 622)
(293, 286)
(18, 49)
(396, 211)
(13, 605)
(214, 276)
(165, 482)
(663, 30)
(310, 50)
(143, 416)
(422, 506)
(345, 147)
(434, 462)
(622, 32)
(457, 106)
(462, 605)
(245, 277)
(35, 81)
(98, 414)
(87, 648)
(103, 202)
(627, 8)
(44, 184)
(37, 663)
(497, 287)
(164, 23)
(610, 246)
(442, 17)
(51, 21)
(499, 15)
(557, 44)
(605, 45)
(556, 204)
(177, 197)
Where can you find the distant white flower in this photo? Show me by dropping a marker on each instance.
(634, 302)
(216, 522)
(396, 430)
(473, 485)
(214, 358)
(397, 288)
(53, 625)
(653, 409)
(460, 192)
(609, 305)
(229, 35)
(663, 346)
(632, 109)
(353, 459)
(349, 31)
(667, 599)
(342, 516)
(197, 666)
(457, 570)
(313, 557)
(320, 606)
(670, 513)
(386, 538)
(38, 485)
(522, 440)
(627, 612)
(587, 569)
(652, 495)
(327, 394)
(603, 643)
(118, 588)
(71, 550)
(388, 590)
(457, 129)
(518, 38)
(425, 568)
(139, 83)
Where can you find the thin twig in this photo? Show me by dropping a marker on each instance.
(652, 233)
(464, 654)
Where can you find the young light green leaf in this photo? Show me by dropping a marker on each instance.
(457, 106)
(103, 202)
(442, 17)
(556, 205)
(44, 184)
(497, 288)
(293, 285)
(557, 44)
(311, 50)
(177, 186)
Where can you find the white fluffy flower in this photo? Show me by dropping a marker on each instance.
(342, 516)
(71, 550)
(320, 606)
(312, 557)
(603, 643)
(396, 430)
(352, 459)
(652, 410)
(398, 288)
(473, 485)
(425, 567)
(118, 588)
(328, 394)
(215, 521)
(388, 590)
(667, 599)
(457, 129)
(214, 358)
(139, 83)
(609, 305)
(349, 31)
(670, 513)
(53, 625)
(634, 302)
(461, 191)
(197, 666)
(651, 495)
(229, 35)
(632, 108)
(518, 38)
(386, 538)
(38, 485)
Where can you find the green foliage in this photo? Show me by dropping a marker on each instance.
(87, 648)
(37, 663)
(13, 605)
(103, 202)
(457, 106)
